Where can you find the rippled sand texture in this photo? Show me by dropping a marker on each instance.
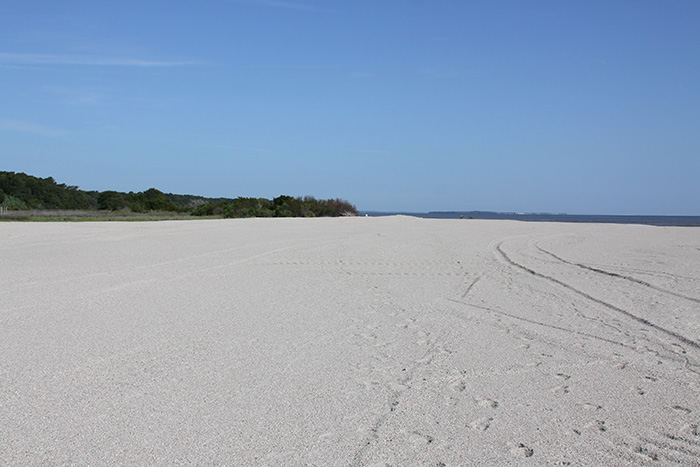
(354, 341)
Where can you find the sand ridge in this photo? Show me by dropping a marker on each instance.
(353, 341)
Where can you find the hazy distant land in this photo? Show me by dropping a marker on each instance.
(687, 221)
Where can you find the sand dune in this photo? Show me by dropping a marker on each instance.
(353, 341)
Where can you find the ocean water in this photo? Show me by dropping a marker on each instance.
(686, 221)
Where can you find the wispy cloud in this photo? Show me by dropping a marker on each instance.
(86, 60)
(29, 127)
(78, 96)
(293, 67)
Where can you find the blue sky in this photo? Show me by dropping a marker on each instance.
(588, 107)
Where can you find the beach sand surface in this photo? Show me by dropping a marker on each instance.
(349, 342)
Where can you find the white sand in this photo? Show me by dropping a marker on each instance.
(354, 341)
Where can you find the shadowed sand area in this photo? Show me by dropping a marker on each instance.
(352, 341)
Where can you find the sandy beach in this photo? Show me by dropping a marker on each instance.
(349, 342)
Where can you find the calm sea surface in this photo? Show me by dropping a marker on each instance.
(688, 221)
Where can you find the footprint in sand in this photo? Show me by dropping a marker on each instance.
(680, 408)
(458, 386)
(486, 402)
(598, 425)
(482, 424)
(370, 336)
(407, 323)
(561, 389)
(328, 437)
(646, 452)
(591, 407)
(595, 426)
(693, 430)
(520, 450)
(419, 439)
(620, 365)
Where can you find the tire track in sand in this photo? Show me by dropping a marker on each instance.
(619, 276)
(610, 306)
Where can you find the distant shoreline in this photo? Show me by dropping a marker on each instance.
(669, 221)
(97, 215)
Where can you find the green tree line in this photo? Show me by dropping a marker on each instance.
(282, 206)
(22, 191)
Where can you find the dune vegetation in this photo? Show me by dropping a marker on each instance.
(20, 192)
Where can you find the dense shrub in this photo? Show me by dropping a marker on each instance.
(14, 203)
(22, 191)
(282, 206)
(111, 200)
(41, 193)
